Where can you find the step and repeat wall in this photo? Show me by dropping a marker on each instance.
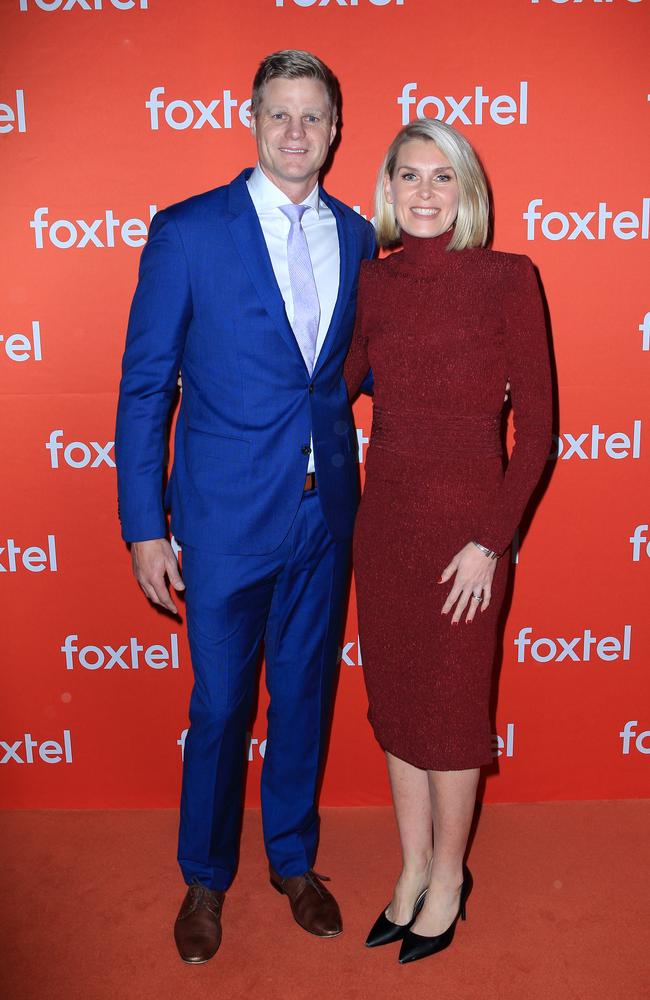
(110, 109)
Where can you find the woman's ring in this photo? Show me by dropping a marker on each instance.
(476, 597)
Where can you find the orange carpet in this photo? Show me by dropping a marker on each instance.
(559, 911)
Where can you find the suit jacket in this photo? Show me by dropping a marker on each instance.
(207, 304)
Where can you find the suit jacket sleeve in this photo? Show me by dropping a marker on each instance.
(158, 323)
(530, 381)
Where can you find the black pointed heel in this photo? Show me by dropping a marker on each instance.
(384, 931)
(416, 946)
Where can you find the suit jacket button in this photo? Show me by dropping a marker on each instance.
(311, 390)
(306, 450)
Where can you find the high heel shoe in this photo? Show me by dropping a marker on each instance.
(416, 946)
(384, 931)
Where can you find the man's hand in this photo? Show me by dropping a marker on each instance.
(152, 561)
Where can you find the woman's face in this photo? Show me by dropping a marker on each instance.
(423, 190)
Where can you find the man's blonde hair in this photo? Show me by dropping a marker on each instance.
(295, 64)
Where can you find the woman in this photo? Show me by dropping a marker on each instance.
(444, 325)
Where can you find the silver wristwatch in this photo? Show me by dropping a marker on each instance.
(490, 553)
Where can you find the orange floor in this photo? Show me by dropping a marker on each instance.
(559, 910)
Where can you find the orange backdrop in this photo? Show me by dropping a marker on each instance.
(109, 108)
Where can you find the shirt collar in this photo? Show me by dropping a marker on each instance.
(267, 196)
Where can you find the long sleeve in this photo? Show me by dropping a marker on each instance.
(357, 365)
(531, 393)
(158, 322)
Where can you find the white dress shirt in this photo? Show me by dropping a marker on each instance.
(319, 226)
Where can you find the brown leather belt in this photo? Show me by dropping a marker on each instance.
(310, 482)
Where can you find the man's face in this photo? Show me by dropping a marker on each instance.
(294, 130)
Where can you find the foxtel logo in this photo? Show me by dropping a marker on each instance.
(78, 454)
(252, 742)
(64, 233)
(467, 110)
(558, 2)
(126, 656)
(577, 650)
(592, 225)
(501, 746)
(180, 115)
(49, 751)
(629, 734)
(644, 330)
(587, 445)
(362, 442)
(639, 542)
(504, 746)
(34, 559)
(11, 119)
(50, 5)
(350, 654)
(339, 3)
(19, 347)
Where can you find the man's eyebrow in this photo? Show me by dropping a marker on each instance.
(272, 108)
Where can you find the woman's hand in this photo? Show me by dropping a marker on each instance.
(474, 573)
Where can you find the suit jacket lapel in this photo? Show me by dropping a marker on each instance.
(346, 275)
(248, 237)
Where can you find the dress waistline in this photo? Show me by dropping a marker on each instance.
(420, 436)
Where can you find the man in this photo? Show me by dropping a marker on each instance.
(249, 291)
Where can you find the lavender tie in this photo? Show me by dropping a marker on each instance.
(306, 307)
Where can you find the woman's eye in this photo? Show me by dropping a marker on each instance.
(443, 177)
(408, 177)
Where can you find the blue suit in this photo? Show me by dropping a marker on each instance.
(261, 559)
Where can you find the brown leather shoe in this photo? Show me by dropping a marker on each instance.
(197, 930)
(312, 905)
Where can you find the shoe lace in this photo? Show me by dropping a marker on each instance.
(314, 879)
(202, 896)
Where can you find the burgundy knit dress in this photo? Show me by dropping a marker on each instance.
(443, 331)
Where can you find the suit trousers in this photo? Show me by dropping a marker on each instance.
(292, 598)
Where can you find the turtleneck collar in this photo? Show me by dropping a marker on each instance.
(421, 249)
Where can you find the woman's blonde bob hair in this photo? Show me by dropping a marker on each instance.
(472, 221)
